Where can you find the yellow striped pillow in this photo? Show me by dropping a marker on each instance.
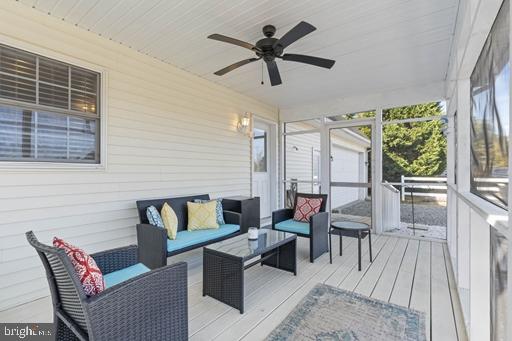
(170, 221)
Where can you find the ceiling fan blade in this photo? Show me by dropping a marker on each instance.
(233, 41)
(299, 31)
(235, 66)
(316, 61)
(273, 73)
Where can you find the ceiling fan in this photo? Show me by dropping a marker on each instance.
(270, 48)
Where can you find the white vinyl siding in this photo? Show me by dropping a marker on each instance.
(168, 133)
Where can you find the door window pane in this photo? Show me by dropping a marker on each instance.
(259, 148)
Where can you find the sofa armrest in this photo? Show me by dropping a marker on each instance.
(115, 259)
(152, 243)
(281, 215)
(231, 217)
(151, 306)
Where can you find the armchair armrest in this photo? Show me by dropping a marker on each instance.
(152, 243)
(231, 217)
(318, 235)
(319, 222)
(151, 306)
(281, 215)
(115, 259)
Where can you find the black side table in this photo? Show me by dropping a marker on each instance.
(352, 229)
(248, 207)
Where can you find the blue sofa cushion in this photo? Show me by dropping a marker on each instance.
(293, 226)
(122, 275)
(188, 238)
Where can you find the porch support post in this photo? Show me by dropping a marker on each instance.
(463, 132)
(508, 332)
(377, 211)
(325, 164)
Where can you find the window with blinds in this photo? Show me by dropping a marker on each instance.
(49, 110)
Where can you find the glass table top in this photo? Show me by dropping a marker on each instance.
(241, 246)
(349, 225)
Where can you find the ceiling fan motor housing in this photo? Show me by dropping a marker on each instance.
(266, 49)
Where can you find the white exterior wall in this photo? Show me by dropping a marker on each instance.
(470, 218)
(169, 133)
(348, 162)
(300, 158)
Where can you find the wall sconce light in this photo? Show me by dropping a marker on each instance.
(244, 123)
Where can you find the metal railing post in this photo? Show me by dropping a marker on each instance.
(402, 188)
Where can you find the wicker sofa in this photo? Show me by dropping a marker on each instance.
(150, 306)
(316, 230)
(155, 247)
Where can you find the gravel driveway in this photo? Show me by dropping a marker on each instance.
(426, 214)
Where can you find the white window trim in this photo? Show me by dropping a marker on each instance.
(32, 165)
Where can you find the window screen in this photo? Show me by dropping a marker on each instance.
(49, 110)
(490, 114)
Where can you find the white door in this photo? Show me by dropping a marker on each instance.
(261, 167)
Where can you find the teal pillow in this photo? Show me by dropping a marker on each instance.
(218, 210)
(154, 217)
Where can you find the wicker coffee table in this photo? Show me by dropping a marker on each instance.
(224, 263)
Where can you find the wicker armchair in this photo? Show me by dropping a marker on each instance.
(317, 230)
(151, 306)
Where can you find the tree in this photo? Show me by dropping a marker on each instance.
(411, 149)
(416, 148)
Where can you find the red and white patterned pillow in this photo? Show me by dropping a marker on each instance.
(86, 268)
(306, 207)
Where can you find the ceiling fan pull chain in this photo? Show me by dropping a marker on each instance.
(262, 73)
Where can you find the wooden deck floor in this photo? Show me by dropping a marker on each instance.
(409, 272)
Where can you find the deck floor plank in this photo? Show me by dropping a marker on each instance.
(370, 279)
(401, 293)
(384, 287)
(442, 316)
(420, 296)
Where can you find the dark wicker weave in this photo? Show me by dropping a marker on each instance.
(318, 225)
(223, 271)
(152, 240)
(151, 306)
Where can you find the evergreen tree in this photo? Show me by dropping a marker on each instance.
(411, 149)
(416, 148)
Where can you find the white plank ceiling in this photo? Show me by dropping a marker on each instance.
(378, 45)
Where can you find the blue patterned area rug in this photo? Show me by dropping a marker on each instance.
(328, 313)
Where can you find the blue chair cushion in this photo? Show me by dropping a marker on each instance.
(122, 275)
(188, 238)
(293, 226)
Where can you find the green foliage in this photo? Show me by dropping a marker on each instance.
(411, 149)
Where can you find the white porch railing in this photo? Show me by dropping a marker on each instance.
(390, 207)
(409, 186)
